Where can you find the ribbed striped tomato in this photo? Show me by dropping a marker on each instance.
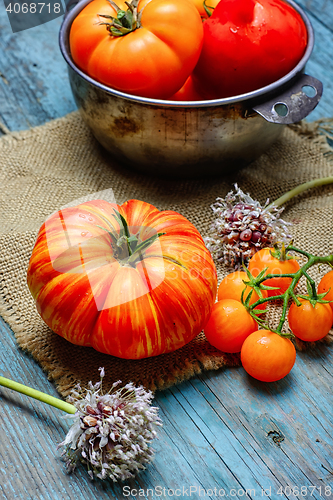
(128, 280)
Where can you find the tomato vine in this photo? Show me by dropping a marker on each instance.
(258, 285)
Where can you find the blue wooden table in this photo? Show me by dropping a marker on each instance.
(224, 434)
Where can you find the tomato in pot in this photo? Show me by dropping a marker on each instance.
(247, 45)
(205, 7)
(188, 92)
(127, 280)
(150, 52)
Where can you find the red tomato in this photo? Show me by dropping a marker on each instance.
(229, 325)
(152, 61)
(232, 285)
(310, 323)
(326, 285)
(262, 259)
(90, 289)
(267, 356)
(248, 44)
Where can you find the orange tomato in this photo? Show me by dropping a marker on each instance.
(310, 323)
(153, 60)
(232, 285)
(262, 259)
(211, 4)
(229, 325)
(326, 285)
(267, 356)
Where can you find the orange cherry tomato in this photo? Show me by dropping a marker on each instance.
(232, 285)
(262, 259)
(267, 356)
(229, 325)
(326, 285)
(310, 323)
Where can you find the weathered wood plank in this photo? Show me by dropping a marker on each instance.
(34, 85)
(216, 433)
(202, 418)
(319, 9)
(320, 64)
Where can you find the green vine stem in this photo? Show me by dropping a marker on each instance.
(299, 189)
(40, 396)
(257, 283)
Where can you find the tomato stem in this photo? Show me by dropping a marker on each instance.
(125, 22)
(258, 283)
(127, 247)
(207, 9)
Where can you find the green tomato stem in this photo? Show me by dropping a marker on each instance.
(299, 189)
(207, 9)
(312, 285)
(126, 21)
(40, 396)
(290, 293)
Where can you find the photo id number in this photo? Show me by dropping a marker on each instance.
(33, 8)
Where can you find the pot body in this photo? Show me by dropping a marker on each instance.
(173, 141)
(187, 139)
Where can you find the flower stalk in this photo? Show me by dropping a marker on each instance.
(300, 189)
(40, 396)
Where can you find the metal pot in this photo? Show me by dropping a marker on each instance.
(186, 139)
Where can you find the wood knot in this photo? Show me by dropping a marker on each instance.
(276, 436)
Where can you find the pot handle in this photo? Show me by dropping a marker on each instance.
(294, 104)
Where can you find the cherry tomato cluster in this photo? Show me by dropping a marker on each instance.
(185, 50)
(234, 325)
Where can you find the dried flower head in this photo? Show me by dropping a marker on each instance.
(242, 227)
(111, 432)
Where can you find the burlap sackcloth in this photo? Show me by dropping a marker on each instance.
(47, 167)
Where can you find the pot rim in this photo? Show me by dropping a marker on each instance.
(268, 89)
